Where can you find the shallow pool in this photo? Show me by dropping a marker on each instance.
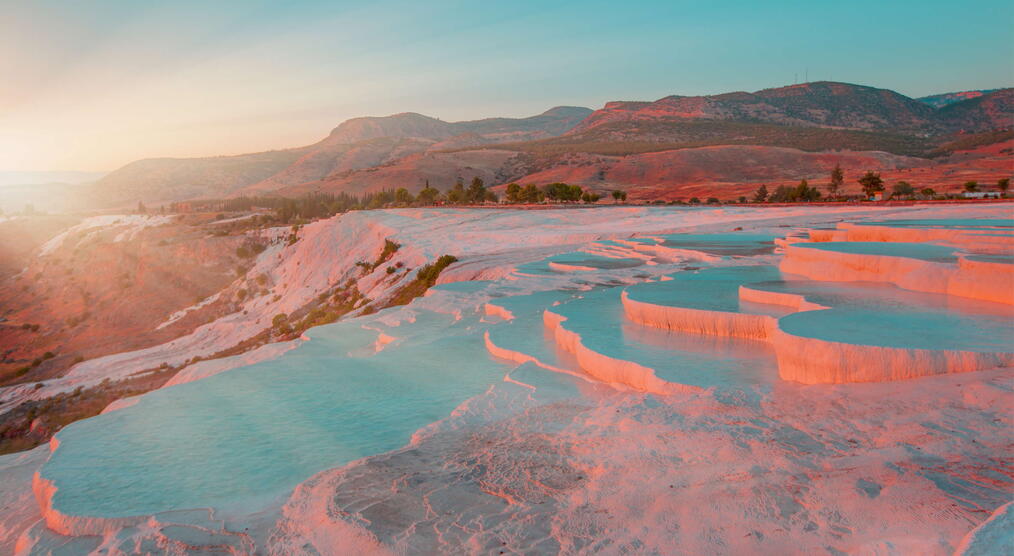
(727, 244)
(684, 358)
(245, 437)
(922, 251)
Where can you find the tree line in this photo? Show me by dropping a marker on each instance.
(322, 205)
(871, 182)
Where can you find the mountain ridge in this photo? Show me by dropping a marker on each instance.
(413, 148)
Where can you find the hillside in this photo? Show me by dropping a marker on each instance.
(941, 100)
(173, 179)
(355, 144)
(410, 149)
(821, 104)
(825, 104)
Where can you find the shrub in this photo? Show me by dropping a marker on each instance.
(903, 189)
(390, 248)
(425, 278)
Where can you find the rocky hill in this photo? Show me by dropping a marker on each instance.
(820, 104)
(941, 100)
(409, 149)
(356, 144)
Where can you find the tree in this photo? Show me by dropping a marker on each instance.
(532, 194)
(562, 192)
(1003, 184)
(513, 193)
(837, 181)
(141, 209)
(428, 195)
(619, 195)
(761, 194)
(903, 189)
(713, 201)
(456, 195)
(971, 186)
(800, 193)
(782, 194)
(695, 201)
(927, 192)
(803, 192)
(590, 197)
(403, 197)
(871, 182)
(476, 192)
(379, 199)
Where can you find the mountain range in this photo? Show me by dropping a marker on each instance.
(668, 148)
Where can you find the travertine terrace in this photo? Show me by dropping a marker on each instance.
(816, 380)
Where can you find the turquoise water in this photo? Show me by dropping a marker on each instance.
(525, 307)
(526, 333)
(885, 315)
(728, 244)
(712, 289)
(250, 435)
(922, 251)
(1002, 259)
(1006, 224)
(541, 267)
(677, 357)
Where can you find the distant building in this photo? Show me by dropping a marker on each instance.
(981, 194)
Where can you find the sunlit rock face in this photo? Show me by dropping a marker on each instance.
(623, 380)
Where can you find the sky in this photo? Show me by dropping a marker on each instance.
(91, 86)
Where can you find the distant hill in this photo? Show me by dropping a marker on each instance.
(355, 144)
(409, 149)
(820, 104)
(823, 104)
(941, 100)
(990, 111)
(173, 179)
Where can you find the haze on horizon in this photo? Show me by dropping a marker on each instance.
(93, 87)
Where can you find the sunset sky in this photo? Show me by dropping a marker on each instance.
(90, 86)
